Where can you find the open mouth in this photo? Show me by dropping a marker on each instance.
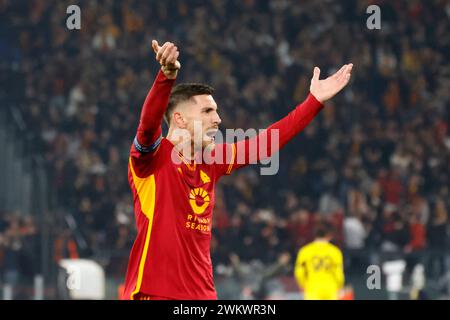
(211, 134)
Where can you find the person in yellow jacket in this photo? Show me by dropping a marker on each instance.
(319, 267)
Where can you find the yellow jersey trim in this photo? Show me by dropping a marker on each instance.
(233, 157)
(146, 191)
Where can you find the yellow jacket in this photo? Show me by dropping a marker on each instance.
(319, 270)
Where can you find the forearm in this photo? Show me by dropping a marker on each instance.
(153, 110)
(295, 121)
(280, 133)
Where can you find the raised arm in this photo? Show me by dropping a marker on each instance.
(149, 131)
(292, 124)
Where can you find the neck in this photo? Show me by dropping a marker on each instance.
(182, 145)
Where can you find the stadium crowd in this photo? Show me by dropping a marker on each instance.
(375, 163)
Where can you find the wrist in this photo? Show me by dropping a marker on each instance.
(169, 73)
(314, 98)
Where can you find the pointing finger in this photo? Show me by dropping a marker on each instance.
(155, 46)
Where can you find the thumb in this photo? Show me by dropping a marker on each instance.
(155, 46)
(316, 74)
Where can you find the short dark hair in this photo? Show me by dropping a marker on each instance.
(323, 229)
(183, 92)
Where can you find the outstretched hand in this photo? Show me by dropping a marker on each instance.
(325, 89)
(167, 56)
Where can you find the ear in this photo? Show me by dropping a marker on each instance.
(179, 120)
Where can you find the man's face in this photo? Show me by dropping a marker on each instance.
(201, 119)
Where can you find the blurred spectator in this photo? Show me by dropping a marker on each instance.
(355, 237)
(65, 247)
(19, 253)
(438, 238)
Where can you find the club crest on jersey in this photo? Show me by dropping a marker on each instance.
(199, 200)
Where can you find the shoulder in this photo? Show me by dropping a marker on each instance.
(306, 249)
(143, 164)
(335, 249)
(223, 158)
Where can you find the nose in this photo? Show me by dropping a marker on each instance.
(216, 119)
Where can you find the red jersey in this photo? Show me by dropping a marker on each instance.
(173, 203)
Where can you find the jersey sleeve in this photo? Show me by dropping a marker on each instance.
(224, 159)
(148, 137)
(267, 142)
(339, 268)
(301, 271)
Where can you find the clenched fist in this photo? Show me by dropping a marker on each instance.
(167, 56)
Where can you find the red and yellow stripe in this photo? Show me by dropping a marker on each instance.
(233, 157)
(186, 162)
(146, 192)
